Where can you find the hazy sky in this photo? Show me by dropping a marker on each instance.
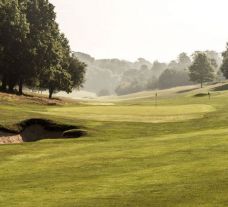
(153, 29)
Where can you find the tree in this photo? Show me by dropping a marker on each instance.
(216, 59)
(32, 49)
(14, 29)
(172, 78)
(158, 68)
(224, 66)
(56, 79)
(77, 71)
(184, 61)
(201, 69)
(152, 83)
(54, 74)
(128, 87)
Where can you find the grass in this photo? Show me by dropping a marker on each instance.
(126, 159)
(150, 114)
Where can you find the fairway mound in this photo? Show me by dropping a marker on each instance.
(32, 98)
(37, 129)
(221, 88)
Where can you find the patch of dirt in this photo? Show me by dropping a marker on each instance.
(37, 129)
(31, 98)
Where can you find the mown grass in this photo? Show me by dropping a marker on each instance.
(121, 162)
(149, 114)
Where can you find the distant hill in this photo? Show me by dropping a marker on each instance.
(109, 73)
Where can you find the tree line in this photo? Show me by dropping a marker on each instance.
(202, 68)
(110, 76)
(180, 72)
(33, 51)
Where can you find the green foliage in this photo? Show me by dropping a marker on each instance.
(224, 66)
(56, 79)
(184, 60)
(127, 87)
(77, 71)
(32, 49)
(171, 78)
(14, 30)
(201, 69)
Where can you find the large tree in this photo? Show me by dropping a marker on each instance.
(14, 29)
(33, 52)
(184, 61)
(201, 69)
(77, 71)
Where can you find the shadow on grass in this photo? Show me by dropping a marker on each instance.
(187, 90)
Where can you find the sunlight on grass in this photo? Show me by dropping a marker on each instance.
(147, 114)
(127, 160)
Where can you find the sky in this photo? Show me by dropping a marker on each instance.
(151, 29)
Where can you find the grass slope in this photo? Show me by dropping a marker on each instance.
(122, 162)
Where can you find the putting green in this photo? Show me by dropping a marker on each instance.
(147, 114)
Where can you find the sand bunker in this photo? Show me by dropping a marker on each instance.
(37, 129)
(10, 138)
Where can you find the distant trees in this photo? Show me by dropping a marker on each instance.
(172, 78)
(124, 77)
(129, 87)
(201, 69)
(152, 83)
(176, 73)
(132, 81)
(103, 92)
(33, 52)
(224, 66)
(184, 61)
(158, 68)
(159, 76)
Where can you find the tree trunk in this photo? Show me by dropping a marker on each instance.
(201, 84)
(11, 87)
(20, 87)
(3, 87)
(50, 93)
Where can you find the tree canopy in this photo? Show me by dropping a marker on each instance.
(224, 66)
(201, 69)
(33, 51)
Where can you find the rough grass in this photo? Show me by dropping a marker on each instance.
(182, 163)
